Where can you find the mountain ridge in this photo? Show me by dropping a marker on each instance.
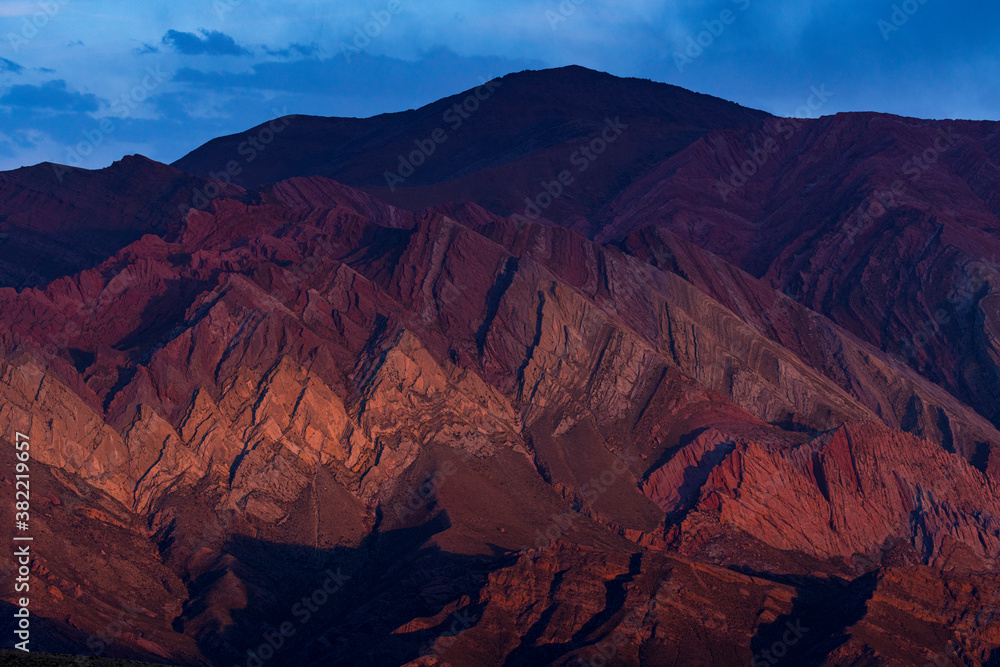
(651, 426)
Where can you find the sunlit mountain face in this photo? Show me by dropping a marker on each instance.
(563, 369)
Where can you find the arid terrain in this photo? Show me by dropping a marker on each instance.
(564, 370)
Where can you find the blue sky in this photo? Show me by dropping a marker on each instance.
(84, 82)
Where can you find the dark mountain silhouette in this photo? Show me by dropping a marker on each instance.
(494, 145)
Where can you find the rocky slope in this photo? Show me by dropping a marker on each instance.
(886, 225)
(57, 220)
(300, 425)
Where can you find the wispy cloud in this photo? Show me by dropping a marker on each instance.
(301, 50)
(52, 96)
(10, 66)
(233, 69)
(210, 43)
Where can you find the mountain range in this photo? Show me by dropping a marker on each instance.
(565, 369)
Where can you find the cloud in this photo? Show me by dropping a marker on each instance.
(941, 63)
(362, 74)
(212, 43)
(305, 50)
(52, 95)
(10, 66)
(145, 49)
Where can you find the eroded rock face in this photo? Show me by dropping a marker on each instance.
(234, 378)
(846, 495)
(884, 384)
(900, 251)
(669, 610)
(59, 220)
(450, 437)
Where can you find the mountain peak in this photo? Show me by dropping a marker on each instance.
(501, 131)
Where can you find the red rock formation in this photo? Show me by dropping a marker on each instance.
(448, 437)
(900, 247)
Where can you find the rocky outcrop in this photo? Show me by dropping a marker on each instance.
(299, 421)
(60, 220)
(849, 495)
(545, 609)
(900, 248)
